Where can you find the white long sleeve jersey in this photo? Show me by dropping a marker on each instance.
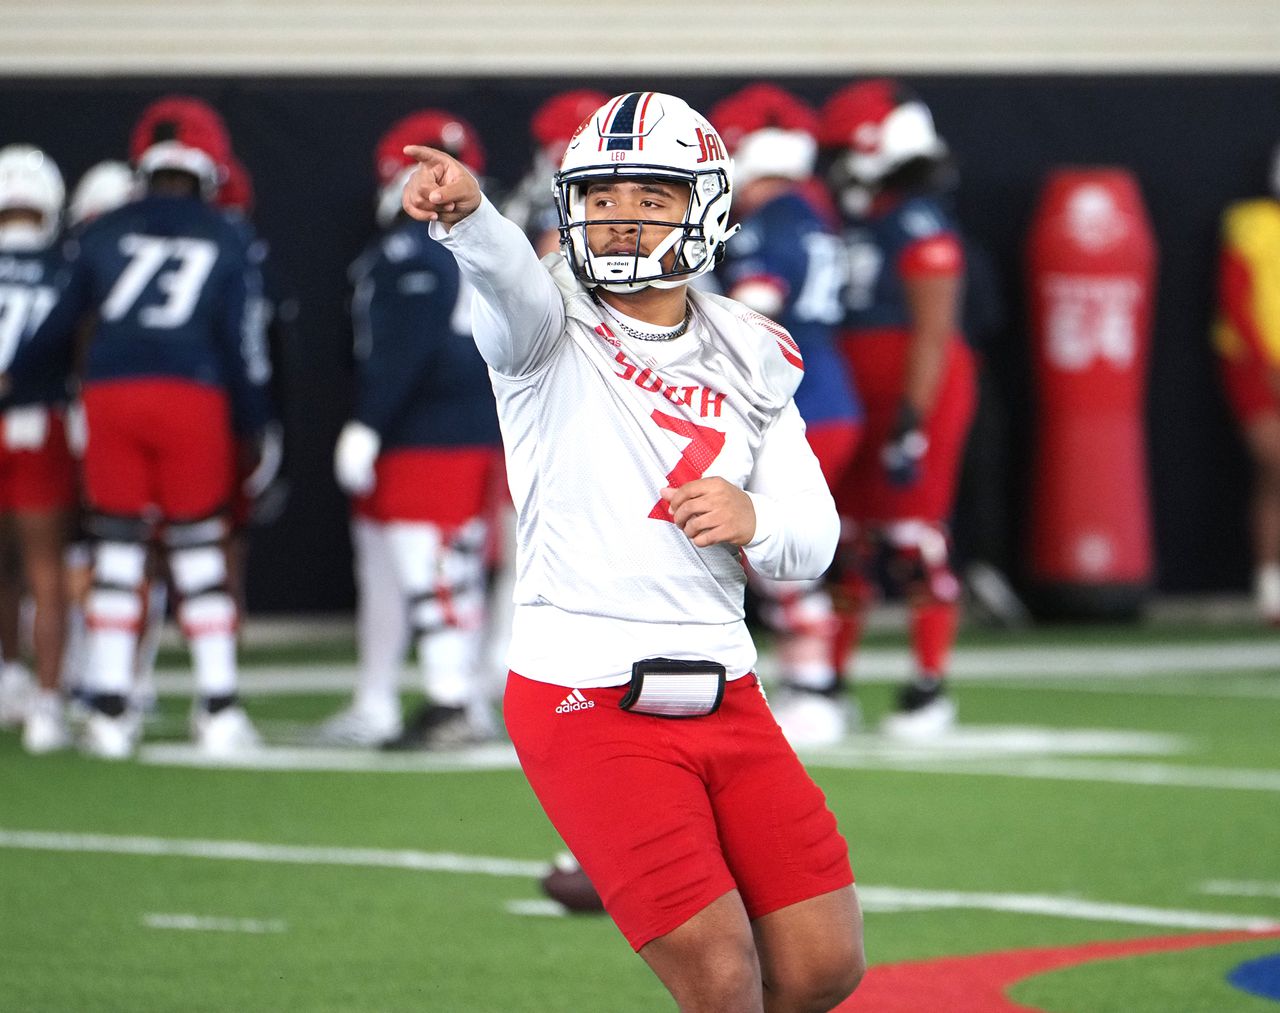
(595, 425)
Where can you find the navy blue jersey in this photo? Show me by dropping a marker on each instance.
(420, 382)
(909, 237)
(786, 246)
(175, 294)
(28, 292)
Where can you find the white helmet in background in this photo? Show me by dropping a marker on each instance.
(770, 132)
(878, 126)
(104, 187)
(435, 128)
(30, 181)
(646, 135)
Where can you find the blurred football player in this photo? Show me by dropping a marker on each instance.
(418, 459)
(1247, 339)
(174, 389)
(37, 473)
(532, 203)
(901, 338)
(787, 264)
(652, 443)
(105, 186)
(262, 500)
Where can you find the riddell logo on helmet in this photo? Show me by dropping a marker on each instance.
(575, 701)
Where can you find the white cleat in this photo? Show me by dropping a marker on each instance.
(110, 738)
(921, 724)
(357, 726)
(45, 730)
(227, 733)
(810, 720)
(17, 691)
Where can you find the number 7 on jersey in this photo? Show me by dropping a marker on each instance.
(704, 446)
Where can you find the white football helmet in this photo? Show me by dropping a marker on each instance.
(104, 187)
(647, 135)
(30, 180)
(878, 126)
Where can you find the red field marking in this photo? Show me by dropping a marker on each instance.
(978, 984)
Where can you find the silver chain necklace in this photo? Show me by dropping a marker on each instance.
(670, 335)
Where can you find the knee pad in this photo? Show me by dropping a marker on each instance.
(920, 562)
(852, 584)
(208, 613)
(454, 591)
(198, 566)
(197, 559)
(804, 608)
(119, 565)
(115, 598)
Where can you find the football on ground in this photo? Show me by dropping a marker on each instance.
(569, 885)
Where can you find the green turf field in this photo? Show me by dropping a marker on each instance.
(1105, 786)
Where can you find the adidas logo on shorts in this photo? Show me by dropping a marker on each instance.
(575, 701)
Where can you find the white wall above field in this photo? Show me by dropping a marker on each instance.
(560, 37)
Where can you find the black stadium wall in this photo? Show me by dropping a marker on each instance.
(1195, 142)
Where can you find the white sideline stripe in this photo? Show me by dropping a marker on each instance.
(1085, 660)
(317, 758)
(249, 851)
(975, 761)
(1155, 775)
(199, 923)
(879, 898)
(889, 899)
(967, 742)
(1247, 888)
(873, 665)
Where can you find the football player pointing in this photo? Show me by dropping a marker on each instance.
(652, 444)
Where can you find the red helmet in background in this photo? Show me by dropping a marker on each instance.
(236, 192)
(769, 132)
(433, 128)
(185, 134)
(558, 118)
(880, 125)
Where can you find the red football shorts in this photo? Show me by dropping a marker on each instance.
(38, 479)
(444, 486)
(665, 815)
(833, 444)
(1247, 391)
(878, 362)
(158, 442)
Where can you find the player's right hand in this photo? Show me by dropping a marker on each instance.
(441, 189)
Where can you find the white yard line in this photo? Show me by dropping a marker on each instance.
(204, 923)
(1154, 775)
(874, 898)
(888, 899)
(1246, 888)
(249, 851)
